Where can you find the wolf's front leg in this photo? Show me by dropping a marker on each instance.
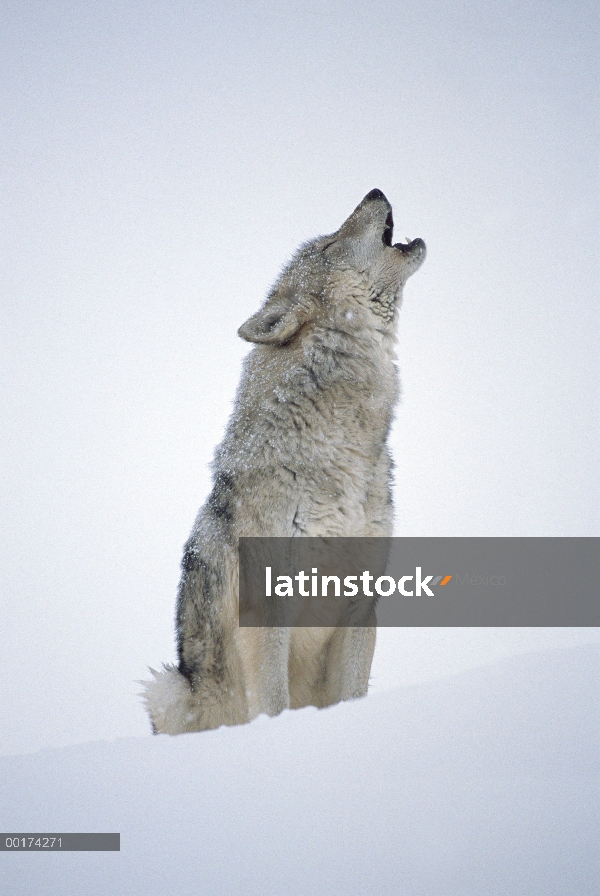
(265, 655)
(349, 659)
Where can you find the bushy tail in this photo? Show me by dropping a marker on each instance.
(170, 702)
(174, 708)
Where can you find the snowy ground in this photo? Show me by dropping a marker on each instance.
(483, 783)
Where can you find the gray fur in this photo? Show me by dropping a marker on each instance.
(305, 454)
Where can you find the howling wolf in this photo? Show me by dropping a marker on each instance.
(305, 454)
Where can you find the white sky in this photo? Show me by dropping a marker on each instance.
(160, 162)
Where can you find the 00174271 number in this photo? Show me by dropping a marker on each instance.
(33, 843)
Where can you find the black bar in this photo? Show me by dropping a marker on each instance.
(60, 842)
(421, 582)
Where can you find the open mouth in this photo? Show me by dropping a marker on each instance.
(388, 233)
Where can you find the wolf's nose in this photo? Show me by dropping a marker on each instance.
(375, 194)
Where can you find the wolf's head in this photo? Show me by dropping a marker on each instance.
(357, 263)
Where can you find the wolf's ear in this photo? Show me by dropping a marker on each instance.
(271, 325)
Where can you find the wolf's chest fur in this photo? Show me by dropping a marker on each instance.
(310, 429)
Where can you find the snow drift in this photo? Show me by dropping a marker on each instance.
(485, 783)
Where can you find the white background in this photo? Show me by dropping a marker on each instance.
(160, 162)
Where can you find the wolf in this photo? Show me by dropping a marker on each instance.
(304, 454)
